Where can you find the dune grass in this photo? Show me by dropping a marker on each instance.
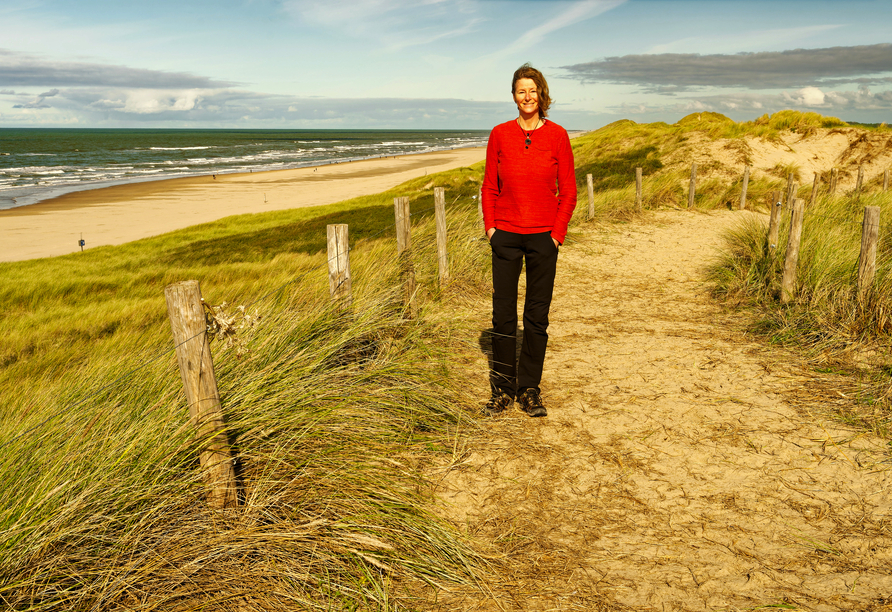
(332, 416)
(647, 143)
(827, 321)
(612, 153)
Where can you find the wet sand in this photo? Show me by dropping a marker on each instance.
(119, 214)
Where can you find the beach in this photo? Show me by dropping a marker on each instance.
(122, 213)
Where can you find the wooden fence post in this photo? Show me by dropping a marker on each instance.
(440, 217)
(189, 326)
(791, 262)
(480, 207)
(591, 196)
(814, 190)
(774, 220)
(834, 178)
(867, 260)
(340, 283)
(746, 182)
(692, 186)
(638, 199)
(791, 191)
(886, 179)
(404, 246)
(859, 182)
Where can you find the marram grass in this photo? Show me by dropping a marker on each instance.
(332, 415)
(611, 154)
(827, 320)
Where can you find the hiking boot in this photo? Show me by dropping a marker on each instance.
(499, 402)
(531, 403)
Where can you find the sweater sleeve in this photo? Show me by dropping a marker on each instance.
(490, 190)
(566, 188)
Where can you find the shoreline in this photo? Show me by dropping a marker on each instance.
(63, 189)
(123, 213)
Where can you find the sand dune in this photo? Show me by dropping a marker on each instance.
(809, 154)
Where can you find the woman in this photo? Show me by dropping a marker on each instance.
(529, 193)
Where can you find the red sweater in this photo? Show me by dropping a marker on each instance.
(529, 189)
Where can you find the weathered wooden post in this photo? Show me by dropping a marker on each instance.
(440, 217)
(404, 246)
(867, 260)
(692, 186)
(480, 207)
(340, 283)
(774, 221)
(859, 182)
(638, 199)
(814, 190)
(834, 178)
(791, 262)
(886, 179)
(189, 326)
(746, 182)
(591, 196)
(791, 191)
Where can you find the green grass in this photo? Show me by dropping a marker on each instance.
(614, 171)
(332, 415)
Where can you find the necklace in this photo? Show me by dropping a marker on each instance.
(529, 134)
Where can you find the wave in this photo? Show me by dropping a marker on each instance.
(73, 171)
(178, 148)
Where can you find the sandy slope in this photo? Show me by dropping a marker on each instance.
(809, 154)
(672, 472)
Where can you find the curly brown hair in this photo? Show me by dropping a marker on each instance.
(528, 72)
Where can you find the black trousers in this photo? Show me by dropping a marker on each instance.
(509, 252)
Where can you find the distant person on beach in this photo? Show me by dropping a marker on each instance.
(529, 193)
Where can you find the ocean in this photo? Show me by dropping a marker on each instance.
(39, 164)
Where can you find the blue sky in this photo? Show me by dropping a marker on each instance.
(435, 63)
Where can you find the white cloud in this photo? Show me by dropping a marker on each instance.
(856, 105)
(578, 11)
(807, 96)
(393, 24)
(143, 101)
(220, 107)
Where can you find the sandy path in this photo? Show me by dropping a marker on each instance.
(670, 474)
(120, 214)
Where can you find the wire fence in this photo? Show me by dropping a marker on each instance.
(852, 219)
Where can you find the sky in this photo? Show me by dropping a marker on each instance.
(435, 64)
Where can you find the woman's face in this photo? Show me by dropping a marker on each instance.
(526, 96)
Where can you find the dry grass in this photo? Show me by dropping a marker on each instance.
(836, 331)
